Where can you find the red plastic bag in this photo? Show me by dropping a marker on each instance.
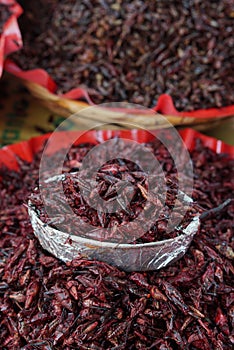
(27, 149)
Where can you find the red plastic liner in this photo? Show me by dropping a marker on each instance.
(10, 39)
(27, 149)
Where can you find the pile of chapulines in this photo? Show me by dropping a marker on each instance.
(126, 177)
(86, 304)
(134, 51)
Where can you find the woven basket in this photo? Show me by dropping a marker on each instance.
(65, 106)
(43, 88)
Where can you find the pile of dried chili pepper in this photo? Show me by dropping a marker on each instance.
(85, 304)
(134, 51)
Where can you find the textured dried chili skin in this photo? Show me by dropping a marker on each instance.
(134, 51)
(188, 305)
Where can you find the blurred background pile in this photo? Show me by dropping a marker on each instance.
(175, 57)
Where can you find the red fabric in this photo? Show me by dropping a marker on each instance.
(165, 106)
(38, 76)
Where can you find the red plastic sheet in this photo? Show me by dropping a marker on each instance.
(26, 149)
(10, 39)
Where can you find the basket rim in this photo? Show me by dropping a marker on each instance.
(39, 77)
